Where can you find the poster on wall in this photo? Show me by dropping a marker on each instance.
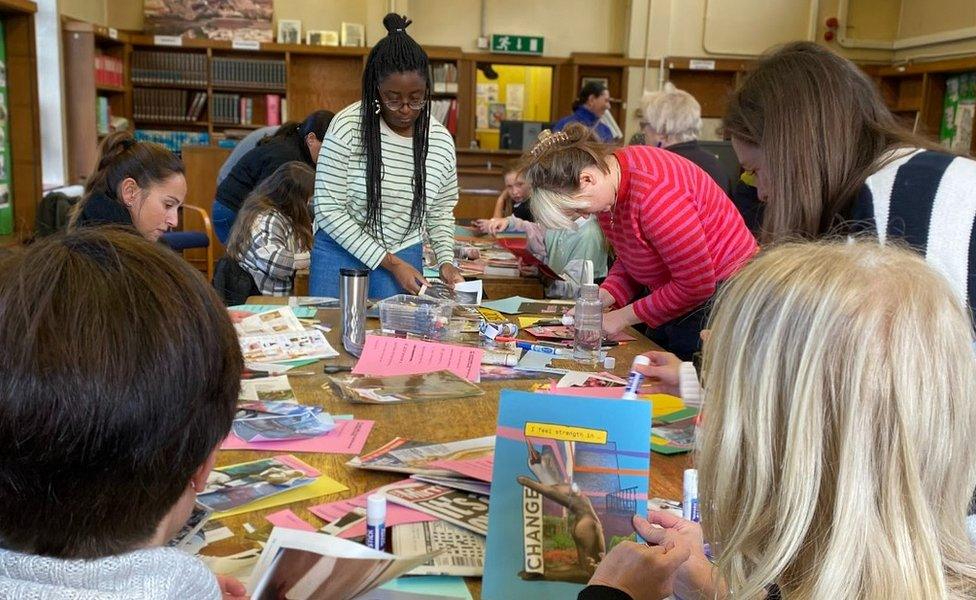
(210, 19)
(6, 210)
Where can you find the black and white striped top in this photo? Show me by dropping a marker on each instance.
(339, 200)
(927, 199)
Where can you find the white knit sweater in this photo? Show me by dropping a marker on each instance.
(151, 574)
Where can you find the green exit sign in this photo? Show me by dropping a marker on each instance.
(516, 44)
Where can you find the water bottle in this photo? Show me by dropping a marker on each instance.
(588, 320)
(353, 285)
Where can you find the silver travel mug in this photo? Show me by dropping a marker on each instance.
(353, 285)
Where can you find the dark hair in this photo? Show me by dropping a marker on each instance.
(823, 128)
(592, 88)
(119, 377)
(396, 53)
(286, 191)
(295, 133)
(121, 157)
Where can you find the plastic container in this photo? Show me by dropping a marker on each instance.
(588, 323)
(420, 315)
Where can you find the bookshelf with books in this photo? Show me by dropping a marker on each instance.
(20, 172)
(247, 91)
(937, 99)
(95, 80)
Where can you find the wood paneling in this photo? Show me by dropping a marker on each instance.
(25, 134)
(202, 163)
(317, 82)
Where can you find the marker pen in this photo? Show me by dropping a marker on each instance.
(689, 496)
(635, 379)
(376, 522)
(538, 348)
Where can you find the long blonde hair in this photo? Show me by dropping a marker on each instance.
(836, 455)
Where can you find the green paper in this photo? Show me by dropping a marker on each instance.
(302, 312)
(431, 585)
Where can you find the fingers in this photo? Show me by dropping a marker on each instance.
(660, 358)
(662, 518)
(651, 535)
(672, 556)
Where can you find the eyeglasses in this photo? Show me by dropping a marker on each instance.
(396, 105)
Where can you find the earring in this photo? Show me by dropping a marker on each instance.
(128, 205)
(377, 103)
(193, 485)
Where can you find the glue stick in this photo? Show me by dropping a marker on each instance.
(689, 496)
(635, 379)
(376, 521)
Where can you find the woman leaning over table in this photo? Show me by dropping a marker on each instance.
(674, 231)
(386, 176)
(828, 467)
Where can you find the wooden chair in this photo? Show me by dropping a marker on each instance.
(194, 240)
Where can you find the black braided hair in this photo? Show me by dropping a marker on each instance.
(396, 53)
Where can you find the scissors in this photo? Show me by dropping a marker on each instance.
(333, 369)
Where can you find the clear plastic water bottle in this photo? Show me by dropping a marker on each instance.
(588, 320)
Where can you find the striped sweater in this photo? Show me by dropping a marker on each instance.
(927, 199)
(339, 200)
(674, 231)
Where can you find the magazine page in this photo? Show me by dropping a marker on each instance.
(569, 473)
(439, 385)
(280, 320)
(463, 509)
(462, 552)
(304, 565)
(281, 347)
(232, 486)
(406, 456)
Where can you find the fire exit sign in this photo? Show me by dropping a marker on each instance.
(516, 44)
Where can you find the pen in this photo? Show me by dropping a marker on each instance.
(538, 348)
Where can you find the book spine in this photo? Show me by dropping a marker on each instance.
(273, 109)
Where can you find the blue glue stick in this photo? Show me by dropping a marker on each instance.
(635, 379)
(376, 521)
(689, 496)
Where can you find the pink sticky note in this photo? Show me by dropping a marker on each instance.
(588, 392)
(288, 519)
(395, 514)
(476, 468)
(348, 437)
(384, 355)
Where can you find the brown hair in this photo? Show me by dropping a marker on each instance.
(122, 157)
(120, 377)
(552, 169)
(823, 128)
(285, 191)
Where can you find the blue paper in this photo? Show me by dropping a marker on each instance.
(508, 306)
(431, 272)
(302, 312)
(569, 474)
(447, 587)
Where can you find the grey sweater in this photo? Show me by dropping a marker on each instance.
(151, 574)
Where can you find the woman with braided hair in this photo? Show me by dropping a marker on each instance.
(673, 229)
(387, 176)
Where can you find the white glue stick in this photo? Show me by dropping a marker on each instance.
(689, 496)
(376, 521)
(635, 379)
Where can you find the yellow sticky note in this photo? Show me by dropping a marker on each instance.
(530, 321)
(567, 433)
(322, 486)
(664, 404)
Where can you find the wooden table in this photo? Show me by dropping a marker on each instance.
(439, 421)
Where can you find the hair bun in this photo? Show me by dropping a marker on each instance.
(395, 23)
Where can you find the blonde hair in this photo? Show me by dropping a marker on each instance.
(552, 169)
(836, 455)
(672, 113)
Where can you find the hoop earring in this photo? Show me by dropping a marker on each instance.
(377, 103)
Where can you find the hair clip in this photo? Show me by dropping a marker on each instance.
(547, 140)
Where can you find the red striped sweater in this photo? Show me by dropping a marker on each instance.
(674, 232)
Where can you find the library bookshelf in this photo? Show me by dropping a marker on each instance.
(25, 191)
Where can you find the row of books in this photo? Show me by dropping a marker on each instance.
(445, 78)
(235, 109)
(167, 105)
(248, 73)
(446, 112)
(169, 67)
(173, 140)
(109, 70)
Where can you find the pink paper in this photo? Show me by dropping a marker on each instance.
(476, 468)
(288, 519)
(395, 514)
(384, 355)
(348, 437)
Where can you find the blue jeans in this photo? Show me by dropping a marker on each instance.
(328, 257)
(222, 219)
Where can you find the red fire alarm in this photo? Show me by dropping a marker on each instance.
(832, 23)
(829, 36)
